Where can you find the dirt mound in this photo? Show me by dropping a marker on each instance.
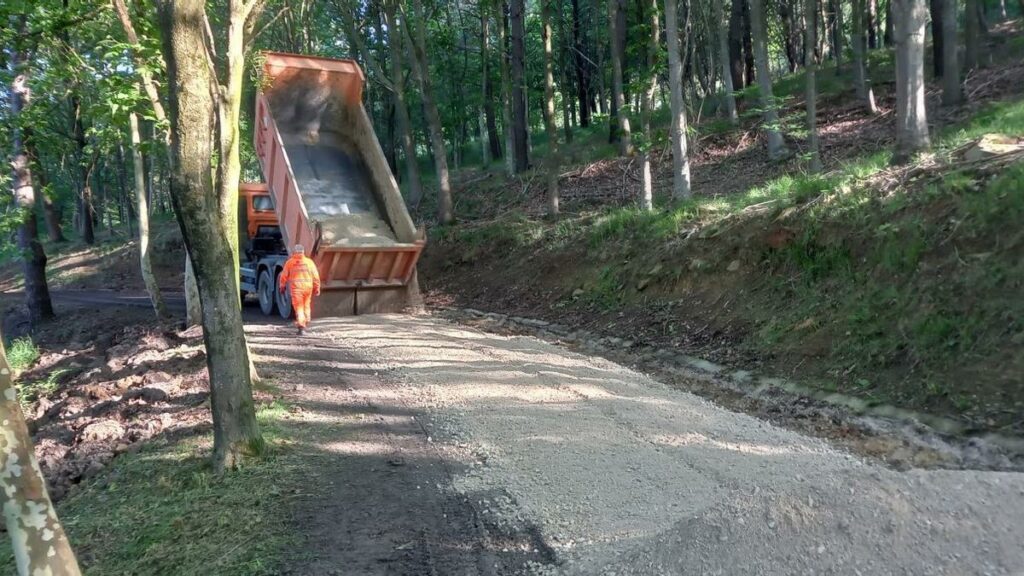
(116, 381)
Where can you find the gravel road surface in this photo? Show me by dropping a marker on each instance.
(619, 474)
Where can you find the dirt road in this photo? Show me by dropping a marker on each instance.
(451, 451)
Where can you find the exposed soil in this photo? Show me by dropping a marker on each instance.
(121, 380)
(108, 266)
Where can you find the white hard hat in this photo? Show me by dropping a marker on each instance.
(299, 249)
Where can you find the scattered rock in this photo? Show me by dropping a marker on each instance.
(992, 145)
(734, 266)
(101, 431)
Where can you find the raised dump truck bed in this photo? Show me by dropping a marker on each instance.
(332, 189)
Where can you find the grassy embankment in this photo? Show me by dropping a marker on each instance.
(898, 286)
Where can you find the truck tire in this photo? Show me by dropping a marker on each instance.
(267, 290)
(284, 303)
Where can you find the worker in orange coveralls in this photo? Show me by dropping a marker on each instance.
(304, 281)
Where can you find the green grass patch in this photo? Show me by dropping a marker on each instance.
(162, 511)
(29, 392)
(22, 353)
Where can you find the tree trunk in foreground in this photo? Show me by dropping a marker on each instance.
(811, 9)
(193, 147)
(616, 22)
(421, 70)
(37, 292)
(723, 55)
(951, 91)
(145, 262)
(862, 87)
(580, 65)
(776, 145)
(549, 107)
(646, 104)
(40, 544)
(909, 18)
(677, 127)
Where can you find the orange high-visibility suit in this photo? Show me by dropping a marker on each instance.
(301, 275)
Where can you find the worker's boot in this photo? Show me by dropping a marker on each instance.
(302, 330)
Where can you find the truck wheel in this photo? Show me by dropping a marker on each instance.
(267, 290)
(284, 303)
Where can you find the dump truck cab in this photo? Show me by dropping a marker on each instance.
(263, 249)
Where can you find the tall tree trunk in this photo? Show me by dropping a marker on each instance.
(952, 94)
(39, 542)
(839, 31)
(810, 31)
(581, 65)
(405, 127)
(421, 70)
(861, 84)
(647, 102)
(728, 68)
(565, 79)
(873, 24)
(735, 42)
(50, 213)
(889, 33)
(909, 18)
(520, 118)
(935, 11)
(145, 261)
(549, 107)
(776, 145)
(85, 167)
(617, 22)
(972, 36)
(749, 67)
(489, 126)
(506, 89)
(677, 126)
(37, 292)
(789, 35)
(193, 120)
(193, 305)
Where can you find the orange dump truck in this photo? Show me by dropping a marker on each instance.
(328, 187)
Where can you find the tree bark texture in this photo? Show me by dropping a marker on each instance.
(909, 18)
(952, 94)
(677, 127)
(776, 144)
(193, 119)
(145, 260)
(37, 292)
(39, 542)
(520, 118)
